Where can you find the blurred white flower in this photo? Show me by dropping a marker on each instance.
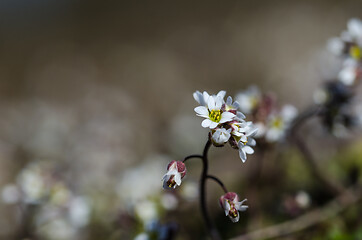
(146, 210)
(336, 46)
(249, 99)
(142, 236)
(348, 74)
(169, 201)
(303, 199)
(278, 123)
(79, 211)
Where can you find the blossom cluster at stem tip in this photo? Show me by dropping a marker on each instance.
(226, 122)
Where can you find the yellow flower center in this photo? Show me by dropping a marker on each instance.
(355, 52)
(277, 123)
(215, 115)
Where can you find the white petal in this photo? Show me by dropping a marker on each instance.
(199, 98)
(206, 97)
(211, 103)
(251, 142)
(226, 117)
(218, 103)
(213, 124)
(229, 100)
(247, 149)
(206, 123)
(178, 179)
(201, 111)
(221, 94)
(242, 155)
(226, 208)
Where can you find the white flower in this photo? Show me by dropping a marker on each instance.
(354, 27)
(279, 122)
(79, 211)
(336, 46)
(230, 105)
(243, 150)
(221, 136)
(348, 74)
(213, 113)
(231, 205)
(176, 170)
(249, 99)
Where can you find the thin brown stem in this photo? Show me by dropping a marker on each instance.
(209, 225)
(219, 182)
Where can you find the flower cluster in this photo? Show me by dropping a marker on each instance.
(349, 46)
(272, 122)
(231, 205)
(337, 96)
(226, 122)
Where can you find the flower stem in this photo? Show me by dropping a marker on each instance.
(219, 182)
(209, 225)
(192, 156)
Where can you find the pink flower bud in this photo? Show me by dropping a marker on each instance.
(231, 205)
(176, 170)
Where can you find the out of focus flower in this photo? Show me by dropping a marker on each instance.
(142, 236)
(176, 170)
(279, 122)
(231, 205)
(146, 210)
(249, 99)
(169, 201)
(303, 199)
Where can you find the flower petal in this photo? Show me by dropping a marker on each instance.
(213, 125)
(199, 98)
(247, 149)
(221, 94)
(218, 103)
(206, 123)
(211, 103)
(226, 117)
(201, 111)
(242, 155)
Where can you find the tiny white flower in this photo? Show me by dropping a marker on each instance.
(176, 170)
(231, 205)
(243, 150)
(221, 136)
(213, 113)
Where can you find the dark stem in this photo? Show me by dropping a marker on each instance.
(331, 186)
(209, 225)
(219, 182)
(192, 156)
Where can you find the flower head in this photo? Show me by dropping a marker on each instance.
(231, 205)
(176, 170)
(220, 136)
(249, 99)
(212, 111)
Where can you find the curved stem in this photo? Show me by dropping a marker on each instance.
(192, 156)
(218, 181)
(209, 225)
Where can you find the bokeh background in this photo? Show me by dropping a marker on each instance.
(96, 98)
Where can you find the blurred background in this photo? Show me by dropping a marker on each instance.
(96, 99)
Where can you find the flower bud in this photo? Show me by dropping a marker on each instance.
(231, 205)
(176, 170)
